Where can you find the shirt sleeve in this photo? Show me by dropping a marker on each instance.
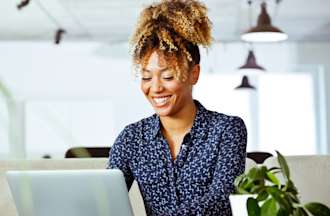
(229, 165)
(119, 156)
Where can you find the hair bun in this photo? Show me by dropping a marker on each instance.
(187, 18)
(177, 27)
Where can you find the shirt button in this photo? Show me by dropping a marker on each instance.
(180, 164)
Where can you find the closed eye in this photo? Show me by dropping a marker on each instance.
(146, 78)
(168, 78)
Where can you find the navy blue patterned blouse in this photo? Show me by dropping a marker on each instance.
(199, 180)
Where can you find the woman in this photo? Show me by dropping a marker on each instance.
(184, 157)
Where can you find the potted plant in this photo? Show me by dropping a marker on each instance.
(267, 196)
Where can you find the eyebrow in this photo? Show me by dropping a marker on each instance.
(148, 71)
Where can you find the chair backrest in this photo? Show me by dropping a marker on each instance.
(310, 174)
(87, 152)
(258, 157)
(103, 152)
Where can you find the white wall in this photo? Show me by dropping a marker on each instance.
(81, 71)
(72, 71)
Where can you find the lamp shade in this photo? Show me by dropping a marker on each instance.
(58, 35)
(251, 63)
(245, 84)
(264, 31)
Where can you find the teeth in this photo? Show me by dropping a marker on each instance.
(161, 101)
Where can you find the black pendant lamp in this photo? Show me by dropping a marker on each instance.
(245, 84)
(58, 35)
(264, 31)
(251, 63)
(23, 4)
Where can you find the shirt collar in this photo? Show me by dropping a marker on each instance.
(198, 129)
(155, 126)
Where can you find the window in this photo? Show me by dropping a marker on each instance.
(282, 114)
(287, 114)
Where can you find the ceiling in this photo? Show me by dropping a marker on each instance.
(113, 20)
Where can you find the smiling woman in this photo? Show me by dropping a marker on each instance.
(184, 157)
(167, 95)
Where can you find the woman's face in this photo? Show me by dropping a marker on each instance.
(166, 94)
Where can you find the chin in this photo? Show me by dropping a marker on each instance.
(163, 113)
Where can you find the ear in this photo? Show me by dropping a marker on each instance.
(194, 74)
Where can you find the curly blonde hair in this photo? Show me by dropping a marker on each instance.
(176, 28)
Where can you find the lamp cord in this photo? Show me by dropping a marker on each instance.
(276, 9)
(50, 17)
(275, 13)
(250, 13)
(75, 19)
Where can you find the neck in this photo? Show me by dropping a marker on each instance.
(182, 121)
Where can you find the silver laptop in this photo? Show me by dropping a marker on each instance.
(70, 193)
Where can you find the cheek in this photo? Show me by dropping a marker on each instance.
(176, 88)
(144, 88)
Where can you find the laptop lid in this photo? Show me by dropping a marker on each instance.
(70, 193)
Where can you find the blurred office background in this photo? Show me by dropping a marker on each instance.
(82, 91)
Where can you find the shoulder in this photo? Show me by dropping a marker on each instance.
(143, 124)
(136, 130)
(232, 132)
(132, 135)
(231, 127)
(225, 121)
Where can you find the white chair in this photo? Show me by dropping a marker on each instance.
(310, 174)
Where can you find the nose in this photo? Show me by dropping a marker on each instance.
(156, 85)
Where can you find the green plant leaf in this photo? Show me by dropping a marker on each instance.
(282, 212)
(248, 184)
(255, 173)
(296, 212)
(256, 189)
(263, 171)
(290, 187)
(269, 208)
(317, 209)
(252, 207)
(301, 212)
(242, 191)
(252, 172)
(272, 178)
(278, 171)
(279, 197)
(284, 165)
(239, 179)
(293, 198)
(274, 169)
(243, 185)
(262, 196)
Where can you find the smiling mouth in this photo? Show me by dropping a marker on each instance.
(160, 101)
